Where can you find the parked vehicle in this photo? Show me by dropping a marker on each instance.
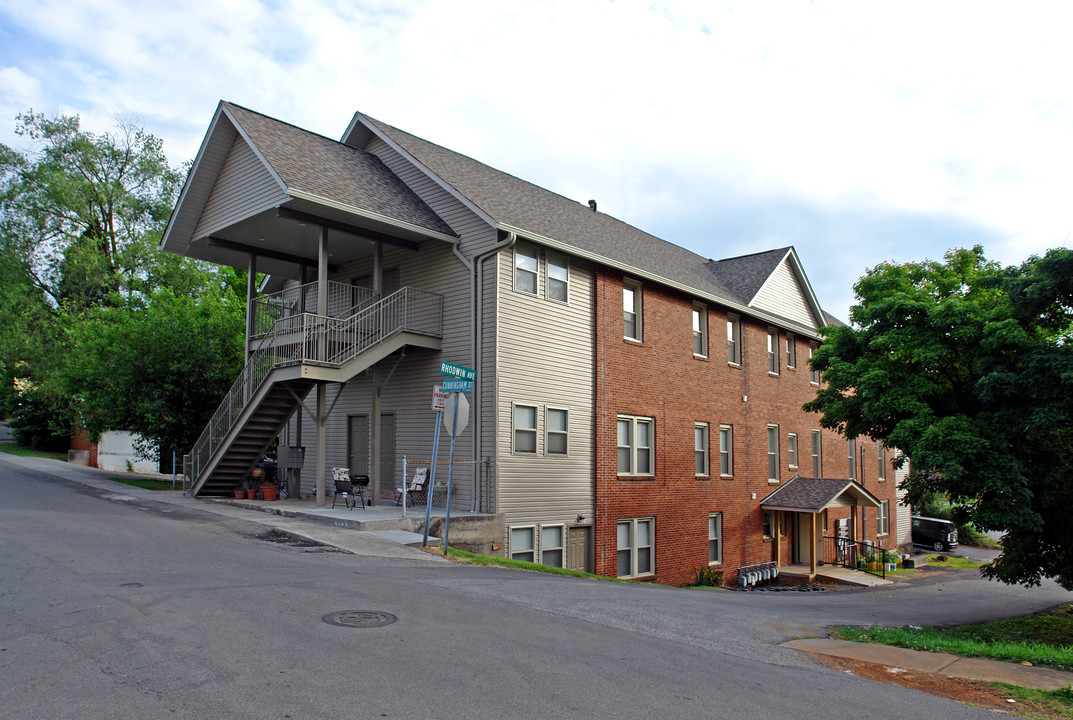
(936, 533)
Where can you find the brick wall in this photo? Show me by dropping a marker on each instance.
(660, 378)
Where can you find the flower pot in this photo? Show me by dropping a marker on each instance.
(268, 492)
(240, 494)
(251, 494)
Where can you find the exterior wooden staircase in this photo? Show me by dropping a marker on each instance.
(302, 350)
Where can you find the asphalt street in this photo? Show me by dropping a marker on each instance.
(116, 605)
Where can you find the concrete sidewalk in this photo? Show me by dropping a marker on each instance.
(938, 663)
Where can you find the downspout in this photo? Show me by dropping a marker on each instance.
(476, 334)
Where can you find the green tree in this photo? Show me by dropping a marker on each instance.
(967, 369)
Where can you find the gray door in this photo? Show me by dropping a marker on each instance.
(388, 481)
(579, 548)
(357, 447)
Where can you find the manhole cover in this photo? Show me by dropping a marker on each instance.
(359, 618)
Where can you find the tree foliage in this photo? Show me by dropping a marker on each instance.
(98, 325)
(966, 367)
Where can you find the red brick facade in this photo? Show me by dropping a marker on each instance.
(660, 378)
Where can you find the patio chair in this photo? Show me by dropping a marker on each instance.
(350, 489)
(416, 486)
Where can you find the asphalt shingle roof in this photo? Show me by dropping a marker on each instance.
(809, 494)
(329, 169)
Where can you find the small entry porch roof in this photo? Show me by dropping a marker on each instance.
(814, 495)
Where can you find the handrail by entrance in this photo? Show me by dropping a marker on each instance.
(857, 555)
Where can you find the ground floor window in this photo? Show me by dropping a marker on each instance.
(523, 543)
(551, 545)
(883, 518)
(636, 542)
(542, 545)
(715, 538)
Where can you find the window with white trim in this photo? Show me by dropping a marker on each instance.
(634, 445)
(883, 518)
(769, 520)
(813, 374)
(791, 350)
(551, 545)
(773, 453)
(726, 450)
(636, 546)
(556, 431)
(773, 351)
(525, 429)
(817, 459)
(715, 538)
(526, 265)
(700, 330)
(557, 277)
(791, 450)
(522, 543)
(733, 340)
(700, 448)
(631, 309)
(851, 453)
(882, 460)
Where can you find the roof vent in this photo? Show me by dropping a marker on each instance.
(592, 205)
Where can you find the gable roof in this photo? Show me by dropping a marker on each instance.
(547, 217)
(813, 495)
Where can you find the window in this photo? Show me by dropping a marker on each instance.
(791, 449)
(883, 518)
(556, 427)
(525, 429)
(851, 451)
(700, 447)
(733, 340)
(635, 544)
(773, 351)
(791, 351)
(521, 544)
(700, 331)
(634, 445)
(769, 518)
(726, 450)
(817, 461)
(715, 538)
(882, 460)
(551, 545)
(773, 453)
(525, 269)
(813, 375)
(557, 281)
(631, 310)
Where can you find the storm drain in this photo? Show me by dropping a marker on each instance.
(359, 618)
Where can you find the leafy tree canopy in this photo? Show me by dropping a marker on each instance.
(966, 367)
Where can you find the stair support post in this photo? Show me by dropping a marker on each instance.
(322, 441)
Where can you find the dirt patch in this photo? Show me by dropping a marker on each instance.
(282, 538)
(968, 692)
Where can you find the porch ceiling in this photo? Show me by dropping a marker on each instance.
(814, 495)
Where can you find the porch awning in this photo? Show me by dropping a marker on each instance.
(814, 495)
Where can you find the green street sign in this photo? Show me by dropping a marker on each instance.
(457, 371)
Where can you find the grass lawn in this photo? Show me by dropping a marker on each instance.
(12, 449)
(148, 483)
(1042, 639)
(957, 563)
(469, 558)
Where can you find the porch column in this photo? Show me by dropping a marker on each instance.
(777, 518)
(251, 291)
(322, 442)
(322, 273)
(812, 544)
(374, 470)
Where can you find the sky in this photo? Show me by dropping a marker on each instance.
(858, 132)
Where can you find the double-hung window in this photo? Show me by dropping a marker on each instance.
(773, 351)
(631, 310)
(773, 453)
(883, 518)
(726, 450)
(791, 351)
(733, 340)
(851, 452)
(700, 448)
(791, 450)
(700, 331)
(715, 538)
(522, 543)
(636, 543)
(526, 263)
(882, 460)
(817, 460)
(634, 445)
(556, 429)
(813, 374)
(551, 545)
(525, 429)
(557, 281)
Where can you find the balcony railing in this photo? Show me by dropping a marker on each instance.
(269, 309)
(306, 338)
(857, 555)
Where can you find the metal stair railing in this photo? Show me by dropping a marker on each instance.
(269, 309)
(306, 338)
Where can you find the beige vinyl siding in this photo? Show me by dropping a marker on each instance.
(545, 358)
(902, 522)
(476, 235)
(783, 296)
(243, 188)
